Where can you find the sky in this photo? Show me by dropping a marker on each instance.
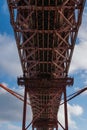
(10, 68)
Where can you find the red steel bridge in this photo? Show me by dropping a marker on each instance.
(45, 33)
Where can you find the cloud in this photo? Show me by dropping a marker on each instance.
(74, 111)
(9, 126)
(79, 59)
(9, 58)
(13, 127)
(11, 108)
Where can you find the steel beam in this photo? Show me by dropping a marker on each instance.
(45, 33)
(24, 109)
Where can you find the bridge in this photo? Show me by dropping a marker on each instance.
(45, 33)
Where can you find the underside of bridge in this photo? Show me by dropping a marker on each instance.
(45, 33)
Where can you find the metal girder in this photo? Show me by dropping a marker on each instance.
(45, 33)
(45, 82)
(53, 26)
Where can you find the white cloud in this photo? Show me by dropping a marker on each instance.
(9, 58)
(11, 108)
(79, 59)
(13, 127)
(74, 111)
(11, 111)
(9, 126)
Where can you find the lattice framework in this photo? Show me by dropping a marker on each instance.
(45, 32)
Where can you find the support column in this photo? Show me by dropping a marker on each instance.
(57, 127)
(65, 110)
(24, 109)
(32, 127)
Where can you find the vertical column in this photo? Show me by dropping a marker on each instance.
(24, 109)
(65, 110)
(32, 127)
(56, 127)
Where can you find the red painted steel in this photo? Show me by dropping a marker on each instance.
(45, 33)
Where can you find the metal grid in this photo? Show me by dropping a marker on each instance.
(45, 32)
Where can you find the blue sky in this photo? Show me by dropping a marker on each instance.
(10, 68)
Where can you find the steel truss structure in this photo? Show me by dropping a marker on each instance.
(45, 33)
